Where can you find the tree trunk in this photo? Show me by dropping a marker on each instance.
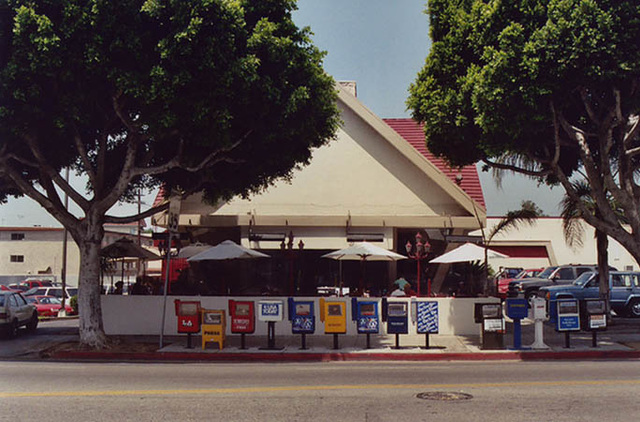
(89, 304)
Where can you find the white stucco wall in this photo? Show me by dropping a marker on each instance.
(549, 229)
(142, 315)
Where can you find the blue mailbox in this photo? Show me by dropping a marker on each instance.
(303, 320)
(517, 310)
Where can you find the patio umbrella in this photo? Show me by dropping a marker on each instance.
(468, 252)
(192, 250)
(364, 251)
(227, 251)
(126, 248)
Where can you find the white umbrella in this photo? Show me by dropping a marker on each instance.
(225, 251)
(467, 253)
(192, 250)
(364, 251)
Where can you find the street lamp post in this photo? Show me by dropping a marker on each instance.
(420, 253)
(290, 254)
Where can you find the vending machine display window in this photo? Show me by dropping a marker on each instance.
(334, 310)
(212, 318)
(303, 309)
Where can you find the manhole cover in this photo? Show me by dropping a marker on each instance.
(444, 396)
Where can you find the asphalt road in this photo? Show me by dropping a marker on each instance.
(337, 391)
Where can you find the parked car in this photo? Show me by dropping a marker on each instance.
(503, 283)
(16, 312)
(52, 291)
(30, 284)
(550, 276)
(49, 306)
(624, 292)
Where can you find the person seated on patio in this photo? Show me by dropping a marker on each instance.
(398, 292)
(408, 291)
(119, 288)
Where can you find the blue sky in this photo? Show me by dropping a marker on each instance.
(380, 44)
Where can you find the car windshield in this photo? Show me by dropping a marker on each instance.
(547, 272)
(31, 299)
(583, 279)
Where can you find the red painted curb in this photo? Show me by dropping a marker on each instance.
(336, 356)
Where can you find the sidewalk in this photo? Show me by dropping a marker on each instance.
(616, 343)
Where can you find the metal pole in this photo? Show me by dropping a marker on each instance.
(418, 259)
(166, 284)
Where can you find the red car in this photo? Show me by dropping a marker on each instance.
(48, 306)
(503, 283)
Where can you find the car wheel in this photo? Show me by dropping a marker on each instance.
(33, 322)
(529, 294)
(633, 308)
(13, 329)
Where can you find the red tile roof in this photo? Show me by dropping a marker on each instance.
(412, 132)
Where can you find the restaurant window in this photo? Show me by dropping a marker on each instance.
(17, 236)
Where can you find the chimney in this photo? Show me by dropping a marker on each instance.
(350, 86)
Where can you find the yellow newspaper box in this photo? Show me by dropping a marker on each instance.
(214, 327)
(334, 315)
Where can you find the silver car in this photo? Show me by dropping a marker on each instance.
(15, 312)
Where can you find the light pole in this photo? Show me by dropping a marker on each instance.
(421, 252)
(290, 254)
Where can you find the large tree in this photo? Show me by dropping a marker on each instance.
(546, 88)
(213, 96)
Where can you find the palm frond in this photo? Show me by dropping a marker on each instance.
(528, 214)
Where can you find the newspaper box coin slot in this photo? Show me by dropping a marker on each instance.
(242, 315)
(568, 319)
(302, 319)
(489, 316)
(214, 327)
(271, 311)
(188, 315)
(334, 315)
(425, 315)
(366, 317)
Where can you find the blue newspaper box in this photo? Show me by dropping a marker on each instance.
(367, 317)
(303, 320)
(568, 315)
(397, 317)
(426, 317)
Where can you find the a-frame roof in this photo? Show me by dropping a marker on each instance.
(370, 170)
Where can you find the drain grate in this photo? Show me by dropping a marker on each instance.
(444, 396)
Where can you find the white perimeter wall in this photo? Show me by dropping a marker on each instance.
(142, 315)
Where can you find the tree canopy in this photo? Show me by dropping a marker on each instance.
(213, 96)
(547, 88)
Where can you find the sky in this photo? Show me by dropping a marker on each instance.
(379, 44)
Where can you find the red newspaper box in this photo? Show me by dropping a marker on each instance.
(242, 315)
(188, 313)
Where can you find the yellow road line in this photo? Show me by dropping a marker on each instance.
(313, 388)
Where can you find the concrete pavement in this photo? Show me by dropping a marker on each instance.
(622, 340)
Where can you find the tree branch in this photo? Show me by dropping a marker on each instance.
(84, 157)
(54, 175)
(516, 169)
(137, 217)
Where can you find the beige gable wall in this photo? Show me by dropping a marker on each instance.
(359, 174)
